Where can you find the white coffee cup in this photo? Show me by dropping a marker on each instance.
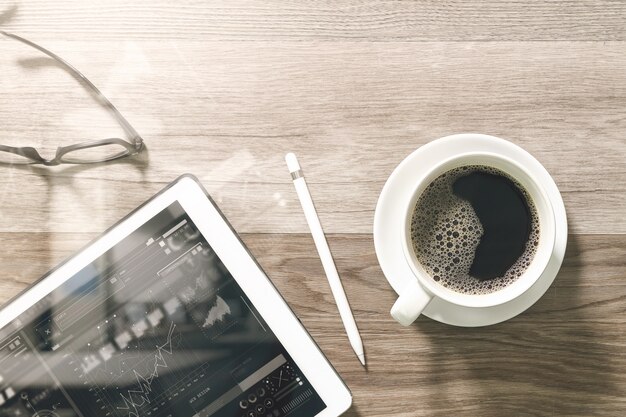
(415, 296)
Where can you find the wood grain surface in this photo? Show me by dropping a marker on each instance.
(222, 89)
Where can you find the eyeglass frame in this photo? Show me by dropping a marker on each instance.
(132, 146)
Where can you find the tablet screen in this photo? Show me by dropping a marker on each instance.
(157, 327)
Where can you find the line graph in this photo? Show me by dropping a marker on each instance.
(134, 399)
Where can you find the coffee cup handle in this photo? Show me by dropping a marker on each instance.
(412, 301)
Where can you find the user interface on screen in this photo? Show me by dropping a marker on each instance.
(155, 327)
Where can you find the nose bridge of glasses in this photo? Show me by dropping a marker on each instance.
(51, 162)
(33, 154)
(28, 152)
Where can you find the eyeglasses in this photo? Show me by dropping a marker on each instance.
(88, 152)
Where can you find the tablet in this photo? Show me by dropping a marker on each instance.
(165, 315)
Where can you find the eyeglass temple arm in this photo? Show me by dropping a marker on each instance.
(135, 137)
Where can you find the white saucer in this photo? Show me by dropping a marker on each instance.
(389, 219)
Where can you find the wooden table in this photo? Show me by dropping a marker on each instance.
(223, 89)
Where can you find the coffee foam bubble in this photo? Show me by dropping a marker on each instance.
(446, 231)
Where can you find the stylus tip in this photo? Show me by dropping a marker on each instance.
(361, 358)
(292, 162)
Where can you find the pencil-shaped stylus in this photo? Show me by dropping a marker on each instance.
(324, 251)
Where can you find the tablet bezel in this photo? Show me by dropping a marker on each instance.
(197, 203)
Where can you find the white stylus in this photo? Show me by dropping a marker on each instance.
(325, 255)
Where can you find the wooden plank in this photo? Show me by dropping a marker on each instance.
(228, 111)
(372, 21)
(564, 356)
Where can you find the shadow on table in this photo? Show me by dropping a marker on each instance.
(8, 14)
(551, 360)
(353, 412)
(62, 200)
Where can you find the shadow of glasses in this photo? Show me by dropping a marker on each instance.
(8, 15)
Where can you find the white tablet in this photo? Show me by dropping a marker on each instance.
(165, 315)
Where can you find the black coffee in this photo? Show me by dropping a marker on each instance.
(475, 229)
